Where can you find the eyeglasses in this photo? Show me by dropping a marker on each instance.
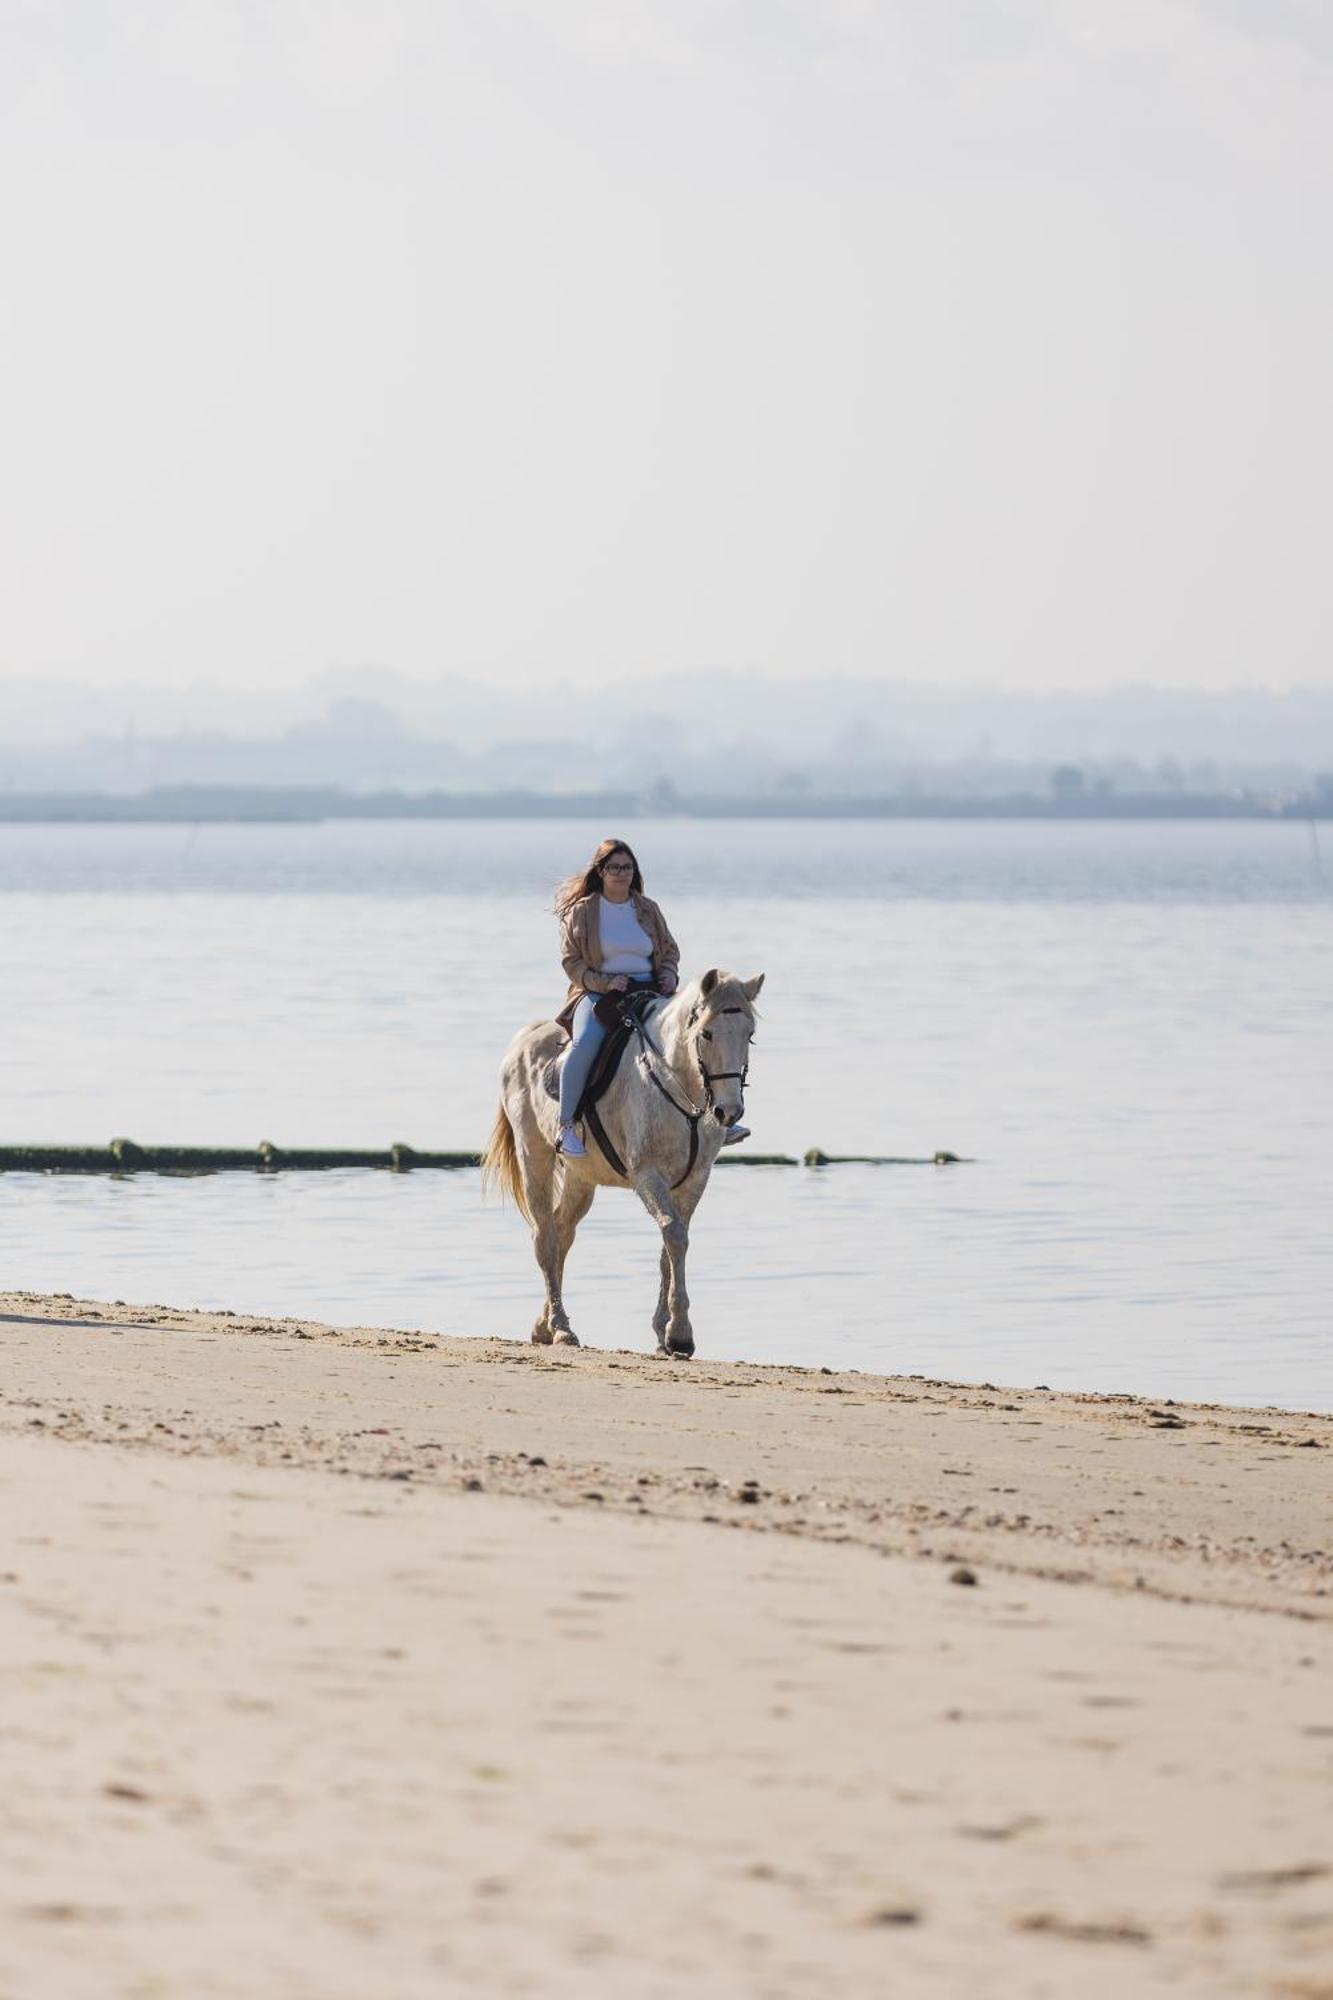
(617, 868)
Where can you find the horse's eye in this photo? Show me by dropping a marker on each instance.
(707, 1035)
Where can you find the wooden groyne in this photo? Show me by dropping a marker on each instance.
(125, 1156)
(814, 1158)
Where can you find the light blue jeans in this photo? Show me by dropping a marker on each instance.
(588, 1036)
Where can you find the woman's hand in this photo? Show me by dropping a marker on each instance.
(620, 984)
(666, 982)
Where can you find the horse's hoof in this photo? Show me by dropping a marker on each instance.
(567, 1339)
(542, 1336)
(683, 1348)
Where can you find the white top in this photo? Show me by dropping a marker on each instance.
(626, 945)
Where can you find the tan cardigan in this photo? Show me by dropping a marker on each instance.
(581, 948)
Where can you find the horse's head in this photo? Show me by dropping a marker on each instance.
(720, 1026)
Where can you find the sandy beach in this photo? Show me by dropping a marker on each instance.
(345, 1662)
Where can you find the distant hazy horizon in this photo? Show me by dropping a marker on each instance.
(720, 734)
(596, 343)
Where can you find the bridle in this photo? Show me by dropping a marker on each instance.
(712, 1076)
(692, 1117)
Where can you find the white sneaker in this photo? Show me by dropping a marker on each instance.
(734, 1134)
(571, 1143)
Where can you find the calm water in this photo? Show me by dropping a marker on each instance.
(1128, 1026)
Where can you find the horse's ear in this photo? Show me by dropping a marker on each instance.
(750, 987)
(709, 981)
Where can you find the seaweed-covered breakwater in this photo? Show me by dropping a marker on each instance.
(124, 1156)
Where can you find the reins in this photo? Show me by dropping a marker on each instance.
(692, 1117)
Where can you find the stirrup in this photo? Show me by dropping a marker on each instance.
(734, 1134)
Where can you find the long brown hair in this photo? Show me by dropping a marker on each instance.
(588, 881)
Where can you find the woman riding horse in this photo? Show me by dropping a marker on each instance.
(613, 939)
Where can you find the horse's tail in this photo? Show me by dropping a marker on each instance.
(499, 1164)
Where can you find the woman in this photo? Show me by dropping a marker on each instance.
(612, 938)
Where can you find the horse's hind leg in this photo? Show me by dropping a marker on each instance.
(553, 1227)
(574, 1201)
(552, 1322)
(536, 1167)
(552, 1241)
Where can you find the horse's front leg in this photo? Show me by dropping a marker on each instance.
(671, 1321)
(660, 1316)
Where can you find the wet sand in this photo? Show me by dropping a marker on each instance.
(345, 1662)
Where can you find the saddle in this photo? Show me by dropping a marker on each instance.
(619, 1014)
(622, 1015)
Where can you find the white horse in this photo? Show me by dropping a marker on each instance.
(677, 1089)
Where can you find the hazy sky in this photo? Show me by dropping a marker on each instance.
(932, 338)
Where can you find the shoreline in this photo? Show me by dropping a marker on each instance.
(434, 1665)
(903, 1422)
(241, 1317)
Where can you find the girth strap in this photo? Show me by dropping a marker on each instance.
(592, 1119)
(599, 1133)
